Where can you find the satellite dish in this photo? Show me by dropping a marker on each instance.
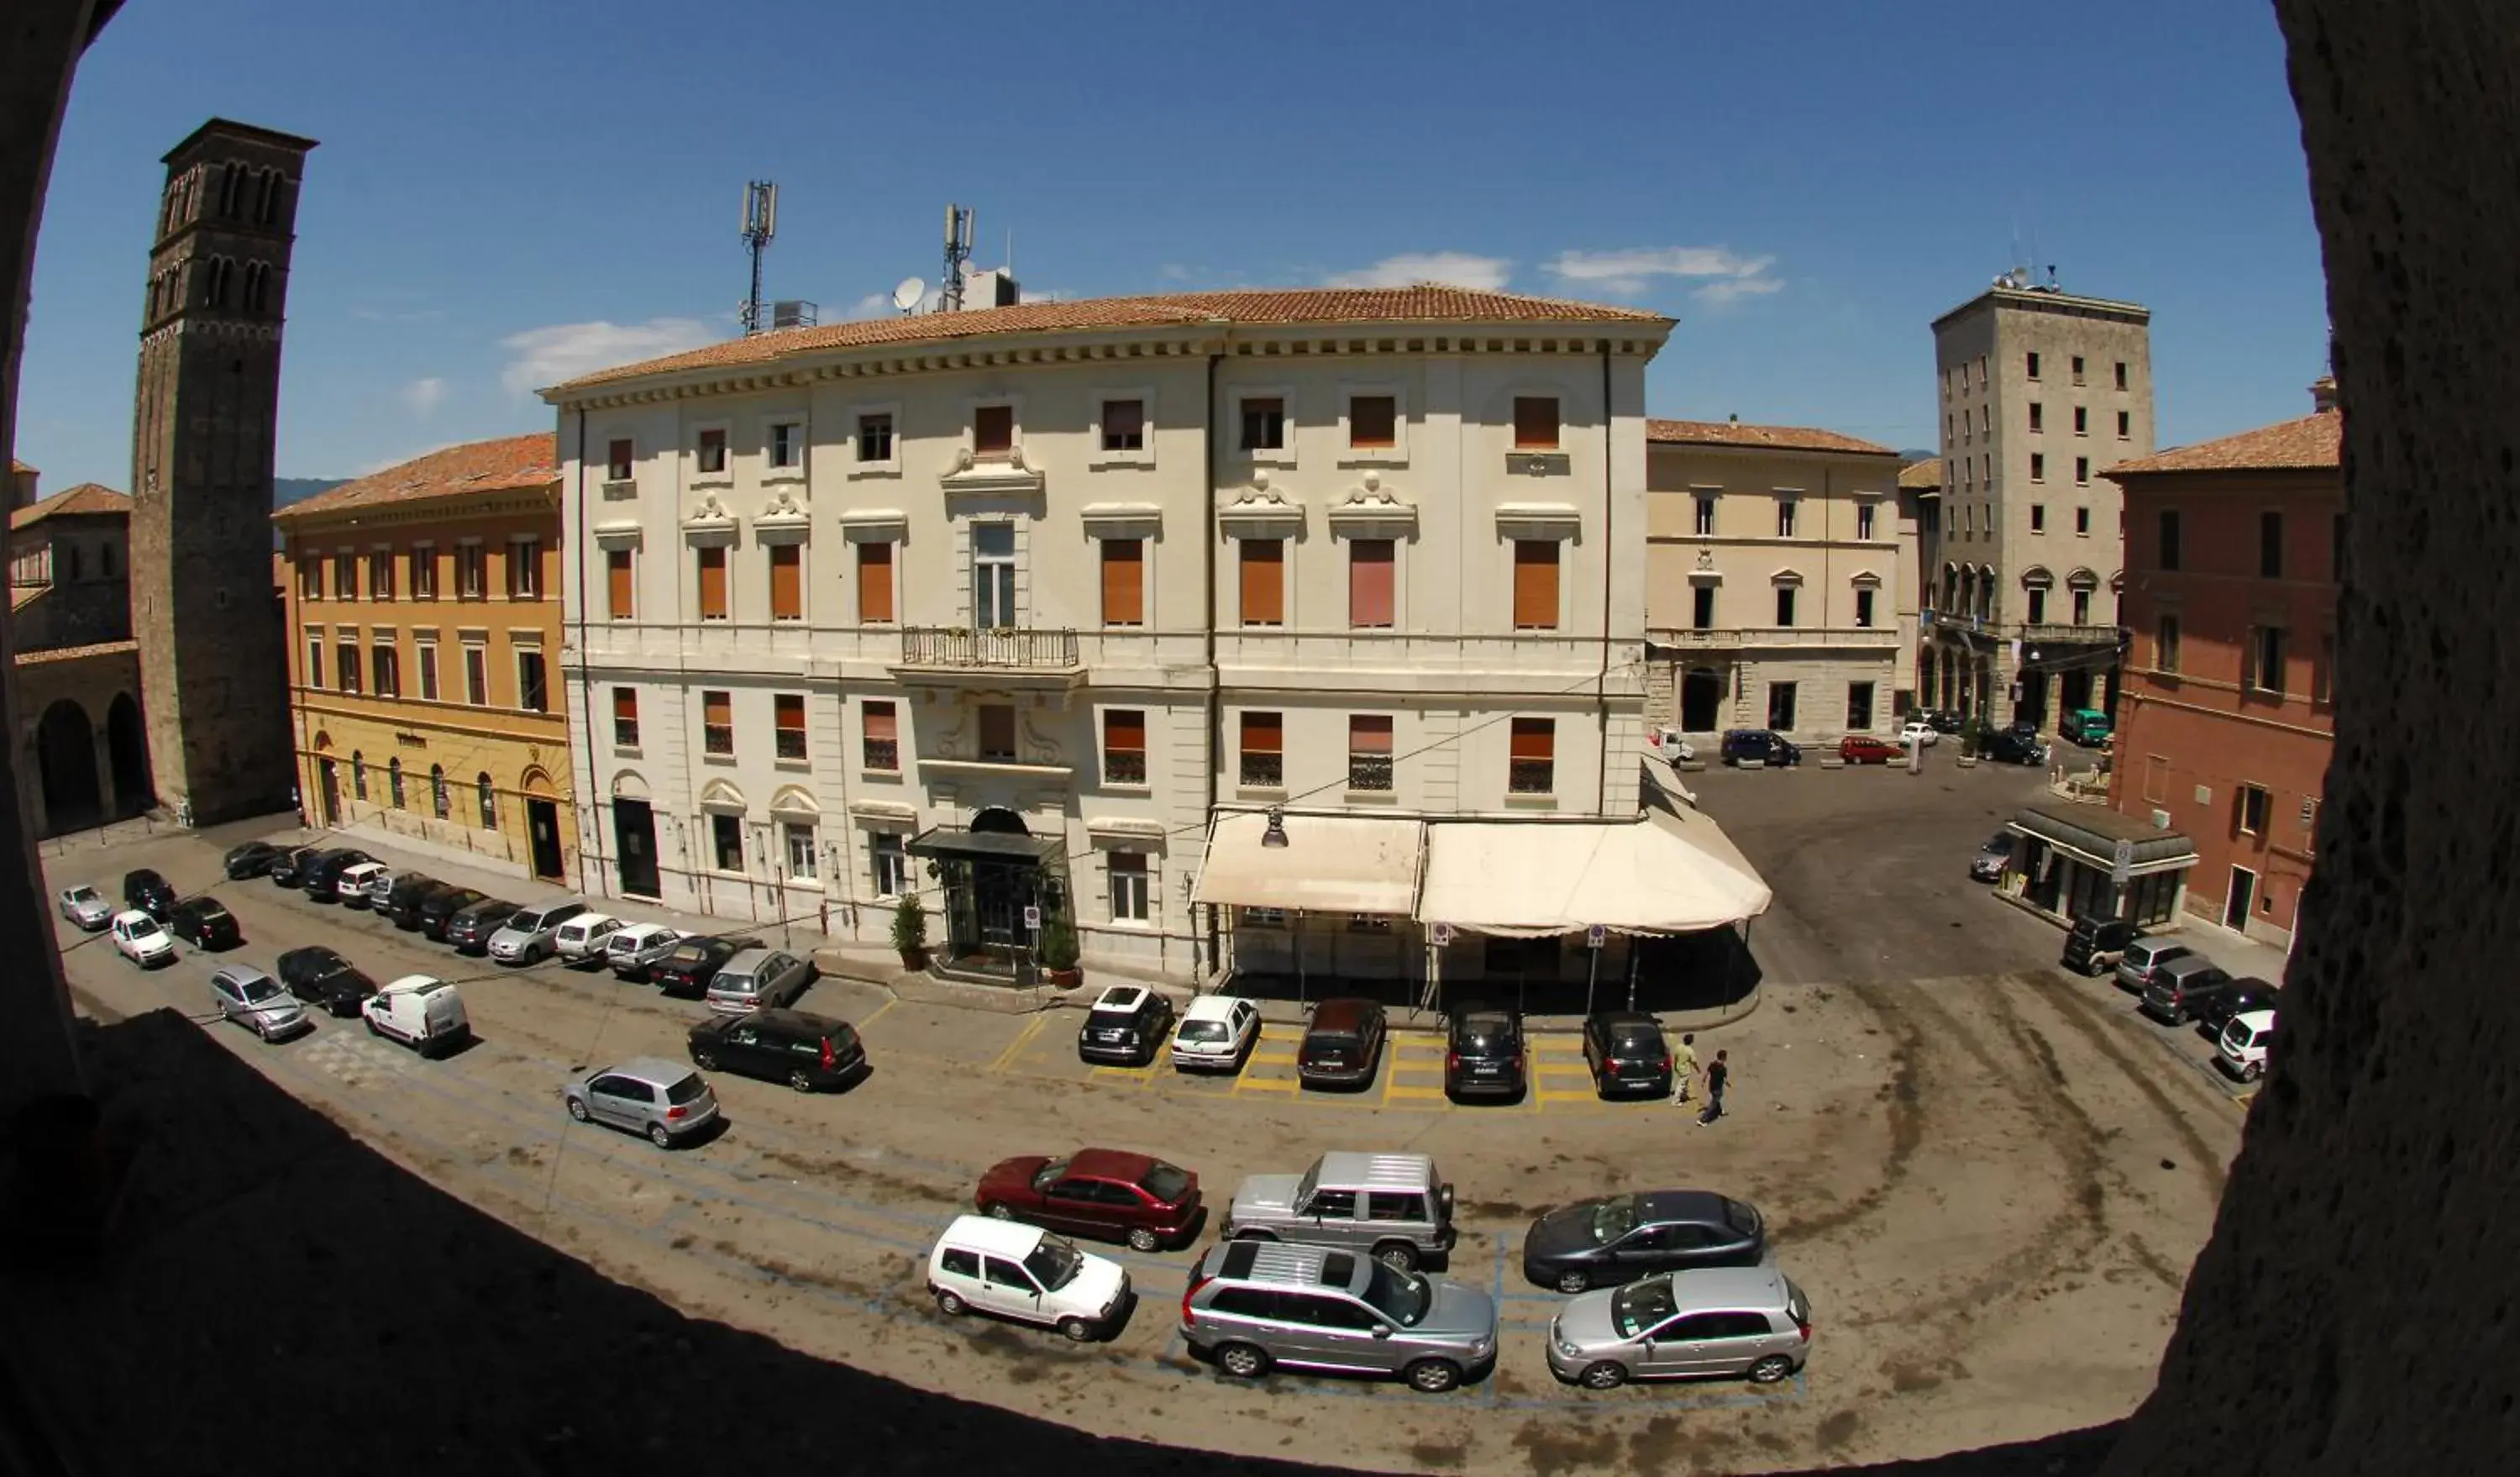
(906, 293)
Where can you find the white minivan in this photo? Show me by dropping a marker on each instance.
(1027, 1274)
(420, 1011)
(2242, 1046)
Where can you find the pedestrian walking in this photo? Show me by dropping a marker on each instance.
(1718, 1073)
(1684, 1067)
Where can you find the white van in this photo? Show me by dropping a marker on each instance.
(582, 939)
(420, 1011)
(2242, 1046)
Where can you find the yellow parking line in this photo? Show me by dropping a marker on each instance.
(1137, 1075)
(1561, 1095)
(1022, 1040)
(1391, 1089)
(877, 1013)
(1265, 1084)
(1259, 1057)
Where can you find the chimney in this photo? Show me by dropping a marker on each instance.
(1734, 419)
(2323, 393)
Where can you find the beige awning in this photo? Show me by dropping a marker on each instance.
(1329, 864)
(1673, 871)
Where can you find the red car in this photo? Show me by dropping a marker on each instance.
(1863, 749)
(1105, 1192)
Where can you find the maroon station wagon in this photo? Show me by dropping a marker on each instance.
(1102, 1192)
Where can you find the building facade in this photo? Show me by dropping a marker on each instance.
(1773, 570)
(80, 738)
(424, 604)
(204, 419)
(1920, 561)
(1005, 608)
(2227, 715)
(69, 569)
(2041, 392)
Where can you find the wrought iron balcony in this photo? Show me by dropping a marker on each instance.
(1001, 650)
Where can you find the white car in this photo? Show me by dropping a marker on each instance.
(1027, 1274)
(585, 938)
(85, 907)
(1216, 1032)
(141, 939)
(420, 1011)
(635, 949)
(1913, 734)
(2242, 1046)
(353, 885)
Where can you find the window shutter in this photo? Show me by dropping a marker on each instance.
(1263, 733)
(875, 582)
(1264, 582)
(1124, 588)
(1372, 420)
(1370, 583)
(992, 430)
(787, 582)
(880, 723)
(619, 460)
(625, 704)
(713, 584)
(1535, 422)
(1124, 730)
(791, 713)
(1535, 585)
(1535, 739)
(616, 569)
(1368, 735)
(717, 709)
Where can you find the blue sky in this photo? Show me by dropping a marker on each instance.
(507, 193)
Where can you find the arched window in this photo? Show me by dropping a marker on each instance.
(489, 803)
(437, 789)
(393, 780)
(358, 775)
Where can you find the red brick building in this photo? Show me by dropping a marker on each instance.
(2226, 712)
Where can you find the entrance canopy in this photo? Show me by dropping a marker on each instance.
(2091, 835)
(1329, 864)
(942, 842)
(1673, 871)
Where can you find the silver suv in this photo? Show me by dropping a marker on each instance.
(1254, 1306)
(1395, 1206)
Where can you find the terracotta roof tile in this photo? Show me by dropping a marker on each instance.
(15, 465)
(1779, 438)
(506, 465)
(1429, 303)
(73, 654)
(87, 498)
(1924, 477)
(2311, 441)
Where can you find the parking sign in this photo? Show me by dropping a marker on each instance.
(1032, 919)
(1596, 936)
(1443, 935)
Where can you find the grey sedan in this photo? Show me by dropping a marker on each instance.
(665, 1101)
(254, 1000)
(85, 907)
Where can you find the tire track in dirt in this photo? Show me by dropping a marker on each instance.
(1903, 1098)
(2104, 1035)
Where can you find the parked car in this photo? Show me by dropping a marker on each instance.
(351, 885)
(402, 902)
(1992, 858)
(804, 1051)
(1619, 1239)
(205, 923)
(2182, 988)
(1673, 745)
(758, 979)
(2088, 726)
(1342, 1046)
(532, 932)
(1627, 1053)
(689, 966)
(2241, 1047)
(1918, 731)
(2008, 746)
(1216, 1031)
(251, 859)
(319, 976)
(1105, 1192)
(251, 998)
(1251, 1306)
(1026, 1274)
(1395, 1205)
(470, 931)
(1747, 1320)
(582, 940)
(423, 1013)
(142, 888)
(321, 876)
(142, 939)
(84, 906)
(381, 885)
(2246, 994)
(665, 1101)
(1943, 720)
(1126, 1025)
(636, 948)
(1485, 1054)
(439, 906)
(1863, 749)
(2140, 958)
(286, 866)
(1759, 747)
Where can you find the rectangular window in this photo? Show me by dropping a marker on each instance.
(2031, 359)
(1705, 516)
(1369, 751)
(997, 732)
(1264, 423)
(2322, 672)
(1124, 746)
(1128, 886)
(471, 571)
(1780, 707)
(1531, 757)
(1863, 609)
(424, 572)
(993, 430)
(2122, 374)
(1535, 585)
(2270, 558)
(726, 842)
(2038, 517)
(993, 576)
(345, 576)
(1264, 582)
(1535, 422)
(533, 693)
(717, 723)
(2082, 422)
(2038, 416)
(712, 453)
(1373, 422)
(787, 722)
(2082, 521)
(787, 582)
(875, 442)
(2267, 659)
(625, 717)
(1859, 705)
(2170, 551)
(2126, 424)
(346, 663)
(427, 652)
(1863, 514)
(801, 850)
(2156, 779)
(1786, 604)
(1701, 608)
(387, 663)
(1785, 518)
(621, 592)
(2078, 369)
(888, 863)
(1124, 426)
(617, 465)
(2081, 607)
(314, 661)
(2252, 807)
(787, 445)
(310, 577)
(2082, 471)
(2036, 599)
(2165, 644)
(881, 727)
(1263, 751)
(476, 676)
(525, 569)
(712, 574)
(1124, 582)
(1370, 583)
(875, 584)
(381, 574)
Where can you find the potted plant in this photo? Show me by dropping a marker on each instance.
(1972, 740)
(1059, 954)
(909, 932)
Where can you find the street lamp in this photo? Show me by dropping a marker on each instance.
(1275, 834)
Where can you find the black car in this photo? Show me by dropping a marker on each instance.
(804, 1051)
(2093, 945)
(205, 923)
(1485, 1056)
(470, 931)
(321, 977)
(1342, 1046)
(322, 876)
(284, 868)
(251, 859)
(696, 962)
(2239, 997)
(151, 894)
(1943, 720)
(1128, 1025)
(2013, 746)
(1627, 1053)
(438, 908)
(401, 902)
(1761, 746)
(1611, 1241)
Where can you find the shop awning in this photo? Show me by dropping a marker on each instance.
(1329, 864)
(981, 845)
(2091, 834)
(1673, 871)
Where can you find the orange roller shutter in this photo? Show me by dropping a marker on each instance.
(1535, 739)
(1535, 585)
(1124, 582)
(1264, 582)
(881, 722)
(1263, 733)
(875, 582)
(1368, 735)
(616, 569)
(1369, 582)
(1535, 422)
(1124, 730)
(712, 584)
(787, 582)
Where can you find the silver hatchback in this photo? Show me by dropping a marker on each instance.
(1720, 1320)
(665, 1101)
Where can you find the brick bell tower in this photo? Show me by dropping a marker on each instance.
(213, 657)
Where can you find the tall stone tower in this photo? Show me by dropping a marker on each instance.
(213, 659)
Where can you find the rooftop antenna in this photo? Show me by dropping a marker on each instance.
(958, 250)
(760, 223)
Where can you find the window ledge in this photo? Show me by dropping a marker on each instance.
(1109, 458)
(1531, 800)
(797, 766)
(626, 751)
(724, 759)
(892, 775)
(783, 474)
(1374, 797)
(1117, 788)
(874, 470)
(708, 479)
(1260, 792)
(1538, 463)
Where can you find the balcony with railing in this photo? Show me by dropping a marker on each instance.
(996, 654)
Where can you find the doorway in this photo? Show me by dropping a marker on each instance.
(1701, 695)
(329, 779)
(2033, 706)
(542, 826)
(126, 741)
(66, 748)
(2236, 905)
(634, 848)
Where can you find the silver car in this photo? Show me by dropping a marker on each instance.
(758, 979)
(84, 906)
(1252, 1305)
(634, 951)
(1742, 1320)
(526, 935)
(665, 1101)
(254, 1000)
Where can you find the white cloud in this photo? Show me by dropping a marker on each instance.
(872, 305)
(423, 395)
(546, 356)
(1722, 276)
(1173, 271)
(1456, 269)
